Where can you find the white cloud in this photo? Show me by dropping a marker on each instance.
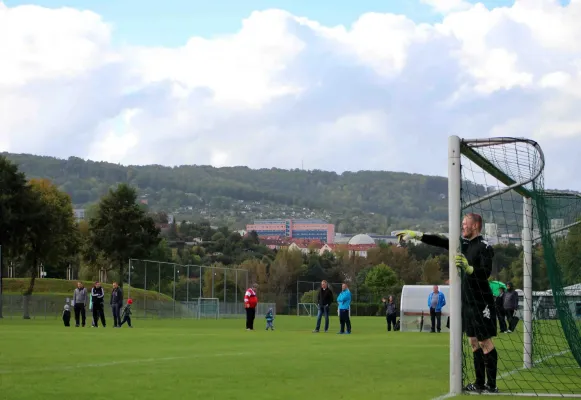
(446, 6)
(383, 93)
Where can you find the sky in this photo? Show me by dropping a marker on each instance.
(342, 85)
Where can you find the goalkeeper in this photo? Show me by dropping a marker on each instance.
(478, 311)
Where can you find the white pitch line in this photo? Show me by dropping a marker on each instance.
(514, 371)
(539, 361)
(444, 396)
(119, 362)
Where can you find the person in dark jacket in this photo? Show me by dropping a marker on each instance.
(324, 300)
(500, 314)
(510, 304)
(79, 301)
(97, 299)
(390, 311)
(116, 303)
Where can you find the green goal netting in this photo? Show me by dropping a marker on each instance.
(537, 248)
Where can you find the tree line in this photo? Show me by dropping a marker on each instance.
(38, 230)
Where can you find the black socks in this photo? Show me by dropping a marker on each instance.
(479, 367)
(491, 361)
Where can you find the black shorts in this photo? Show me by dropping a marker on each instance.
(479, 321)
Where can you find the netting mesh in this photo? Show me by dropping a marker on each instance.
(488, 168)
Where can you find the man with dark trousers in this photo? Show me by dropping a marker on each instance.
(510, 305)
(436, 301)
(344, 302)
(97, 298)
(478, 309)
(116, 304)
(79, 301)
(390, 310)
(324, 300)
(250, 303)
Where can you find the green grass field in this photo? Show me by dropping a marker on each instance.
(218, 359)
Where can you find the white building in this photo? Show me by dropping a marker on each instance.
(79, 214)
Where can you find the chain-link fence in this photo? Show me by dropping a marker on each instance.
(168, 290)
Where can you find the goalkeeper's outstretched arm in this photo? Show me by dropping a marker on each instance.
(436, 240)
(432, 240)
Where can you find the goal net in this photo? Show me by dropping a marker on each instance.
(307, 310)
(208, 308)
(536, 242)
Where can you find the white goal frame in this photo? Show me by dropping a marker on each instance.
(308, 307)
(199, 307)
(456, 149)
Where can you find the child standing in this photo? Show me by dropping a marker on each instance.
(269, 319)
(67, 314)
(126, 314)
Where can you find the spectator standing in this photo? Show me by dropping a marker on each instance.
(500, 313)
(116, 304)
(79, 301)
(250, 303)
(436, 301)
(344, 301)
(510, 304)
(324, 300)
(390, 311)
(97, 299)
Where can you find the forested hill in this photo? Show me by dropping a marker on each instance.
(370, 201)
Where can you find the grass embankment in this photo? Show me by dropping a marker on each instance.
(64, 288)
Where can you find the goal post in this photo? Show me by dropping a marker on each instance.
(208, 308)
(501, 179)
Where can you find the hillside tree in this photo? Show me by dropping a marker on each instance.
(382, 280)
(15, 198)
(52, 237)
(121, 229)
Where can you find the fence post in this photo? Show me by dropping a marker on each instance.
(298, 298)
(145, 289)
(128, 279)
(236, 292)
(174, 291)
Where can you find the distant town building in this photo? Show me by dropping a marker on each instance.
(311, 229)
(79, 214)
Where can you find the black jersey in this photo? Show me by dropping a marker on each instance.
(475, 287)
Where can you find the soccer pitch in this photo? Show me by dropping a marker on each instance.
(218, 359)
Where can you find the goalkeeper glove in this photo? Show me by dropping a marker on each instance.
(405, 236)
(462, 264)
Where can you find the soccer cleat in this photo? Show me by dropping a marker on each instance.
(473, 387)
(489, 389)
(316, 331)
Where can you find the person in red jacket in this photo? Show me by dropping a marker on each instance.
(250, 303)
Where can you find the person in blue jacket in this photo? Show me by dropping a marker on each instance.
(344, 301)
(436, 301)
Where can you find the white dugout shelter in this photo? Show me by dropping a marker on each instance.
(414, 304)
